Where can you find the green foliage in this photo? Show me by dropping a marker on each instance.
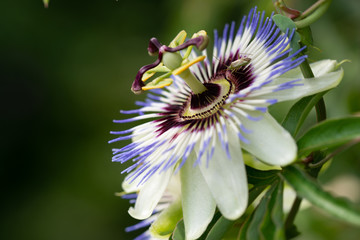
(258, 177)
(260, 180)
(273, 222)
(219, 229)
(179, 232)
(298, 113)
(308, 188)
(302, 36)
(329, 133)
(266, 221)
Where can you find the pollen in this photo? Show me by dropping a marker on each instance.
(189, 64)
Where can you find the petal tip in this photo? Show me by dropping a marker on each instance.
(236, 212)
(139, 215)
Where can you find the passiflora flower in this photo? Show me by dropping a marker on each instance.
(203, 110)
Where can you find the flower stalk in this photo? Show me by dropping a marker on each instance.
(289, 222)
(331, 155)
(313, 13)
(320, 106)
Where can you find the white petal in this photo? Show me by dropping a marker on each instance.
(318, 68)
(226, 179)
(130, 187)
(197, 201)
(150, 194)
(269, 141)
(309, 86)
(174, 186)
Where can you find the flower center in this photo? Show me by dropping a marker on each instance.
(207, 103)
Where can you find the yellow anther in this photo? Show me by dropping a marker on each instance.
(160, 84)
(187, 65)
(189, 49)
(147, 75)
(159, 68)
(199, 33)
(120, 194)
(179, 39)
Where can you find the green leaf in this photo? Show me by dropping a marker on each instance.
(273, 222)
(255, 192)
(258, 177)
(298, 113)
(266, 221)
(245, 227)
(329, 133)
(307, 188)
(222, 225)
(219, 229)
(285, 23)
(179, 232)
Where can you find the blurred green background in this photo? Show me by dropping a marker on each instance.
(65, 73)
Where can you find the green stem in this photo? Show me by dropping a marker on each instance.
(317, 10)
(311, 9)
(320, 110)
(289, 222)
(331, 155)
(320, 106)
(306, 69)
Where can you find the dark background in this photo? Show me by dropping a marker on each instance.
(65, 73)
